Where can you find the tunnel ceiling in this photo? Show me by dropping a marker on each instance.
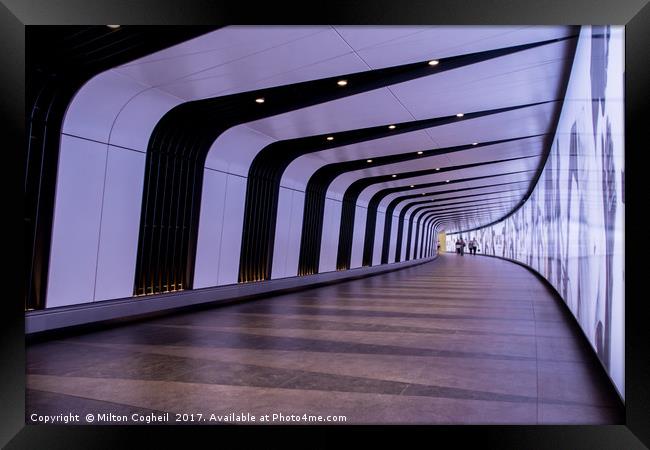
(236, 60)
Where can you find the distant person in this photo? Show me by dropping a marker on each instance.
(458, 246)
(473, 245)
(462, 246)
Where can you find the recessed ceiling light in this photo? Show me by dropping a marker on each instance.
(424, 193)
(391, 127)
(460, 115)
(433, 62)
(419, 153)
(368, 160)
(447, 181)
(330, 138)
(474, 143)
(394, 176)
(412, 186)
(437, 168)
(259, 100)
(342, 82)
(113, 26)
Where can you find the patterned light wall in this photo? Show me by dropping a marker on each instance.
(571, 229)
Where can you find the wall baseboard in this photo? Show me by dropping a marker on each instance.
(73, 316)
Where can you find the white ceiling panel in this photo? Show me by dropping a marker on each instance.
(491, 85)
(211, 50)
(525, 77)
(328, 56)
(517, 123)
(389, 46)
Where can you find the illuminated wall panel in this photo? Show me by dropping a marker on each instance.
(208, 250)
(118, 236)
(379, 238)
(330, 238)
(571, 229)
(232, 229)
(358, 236)
(77, 216)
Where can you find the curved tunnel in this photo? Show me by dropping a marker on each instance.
(221, 164)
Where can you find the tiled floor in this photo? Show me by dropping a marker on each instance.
(464, 340)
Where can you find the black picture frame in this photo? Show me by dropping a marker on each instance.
(634, 14)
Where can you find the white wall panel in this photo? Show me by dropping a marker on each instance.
(404, 238)
(295, 231)
(77, 215)
(120, 224)
(379, 238)
(330, 239)
(282, 230)
(208, 249)
(358, 236)
(232, 230)
(288, 229)
(392, 250)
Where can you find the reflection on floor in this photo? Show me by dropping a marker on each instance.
(467, 339)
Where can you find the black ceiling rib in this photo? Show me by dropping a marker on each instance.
(59, 60)
(400, 223)
(266, 170)
(388, 224)
(319, 182)
(354, 190)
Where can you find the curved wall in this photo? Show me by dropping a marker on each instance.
(571, 228)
